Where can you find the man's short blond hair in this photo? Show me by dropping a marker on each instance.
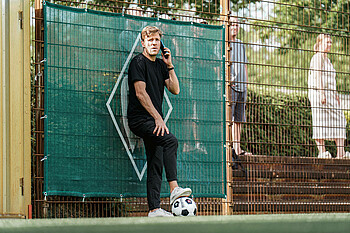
(149, 30)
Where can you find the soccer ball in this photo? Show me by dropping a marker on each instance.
(184, 206)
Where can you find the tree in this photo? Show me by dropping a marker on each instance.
(203, 8)
(327, 16)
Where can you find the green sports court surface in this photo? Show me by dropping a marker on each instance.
(315, 223)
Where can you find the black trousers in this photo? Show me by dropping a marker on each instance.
(160, 151)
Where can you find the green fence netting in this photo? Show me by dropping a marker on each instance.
(89, 150)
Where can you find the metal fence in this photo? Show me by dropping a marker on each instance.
(283, 173)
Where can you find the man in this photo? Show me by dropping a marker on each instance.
(239, 79)
(147, 77)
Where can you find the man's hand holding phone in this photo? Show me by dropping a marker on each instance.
(164, 50)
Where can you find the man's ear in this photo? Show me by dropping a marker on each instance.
(143, 43)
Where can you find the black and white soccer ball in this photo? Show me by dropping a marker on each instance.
(184, 206)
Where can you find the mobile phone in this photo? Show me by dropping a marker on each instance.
(166, 55)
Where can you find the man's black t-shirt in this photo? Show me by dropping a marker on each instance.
(154, 74)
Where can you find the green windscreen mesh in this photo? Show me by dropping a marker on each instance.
(89, 149)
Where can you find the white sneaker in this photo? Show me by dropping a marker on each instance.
(179, 192)
(347, 155)
(325, 155)
(160, 213)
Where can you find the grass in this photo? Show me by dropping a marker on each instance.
(312, 223)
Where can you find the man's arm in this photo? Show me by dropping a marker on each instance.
(146, 102)
(172, 83)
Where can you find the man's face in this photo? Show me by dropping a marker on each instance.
(151, 44)
(234, 27)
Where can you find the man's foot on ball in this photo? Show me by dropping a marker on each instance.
(179, 192)
(160, 213)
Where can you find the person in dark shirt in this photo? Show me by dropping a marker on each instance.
(147, 77)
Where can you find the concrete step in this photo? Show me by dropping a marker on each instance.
(272, 184)
(274, 188)
(255, 207)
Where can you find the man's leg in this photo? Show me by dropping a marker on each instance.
(159, 150)
(154, 173)
(169, 144)
(154, 179)
(238, 116)
(173, 184)
(154, 155)
(236, 137)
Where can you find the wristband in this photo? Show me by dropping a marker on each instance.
(171, 68)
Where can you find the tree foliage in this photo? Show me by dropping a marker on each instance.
(307, 17)
(283, 126)
(203, 8)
